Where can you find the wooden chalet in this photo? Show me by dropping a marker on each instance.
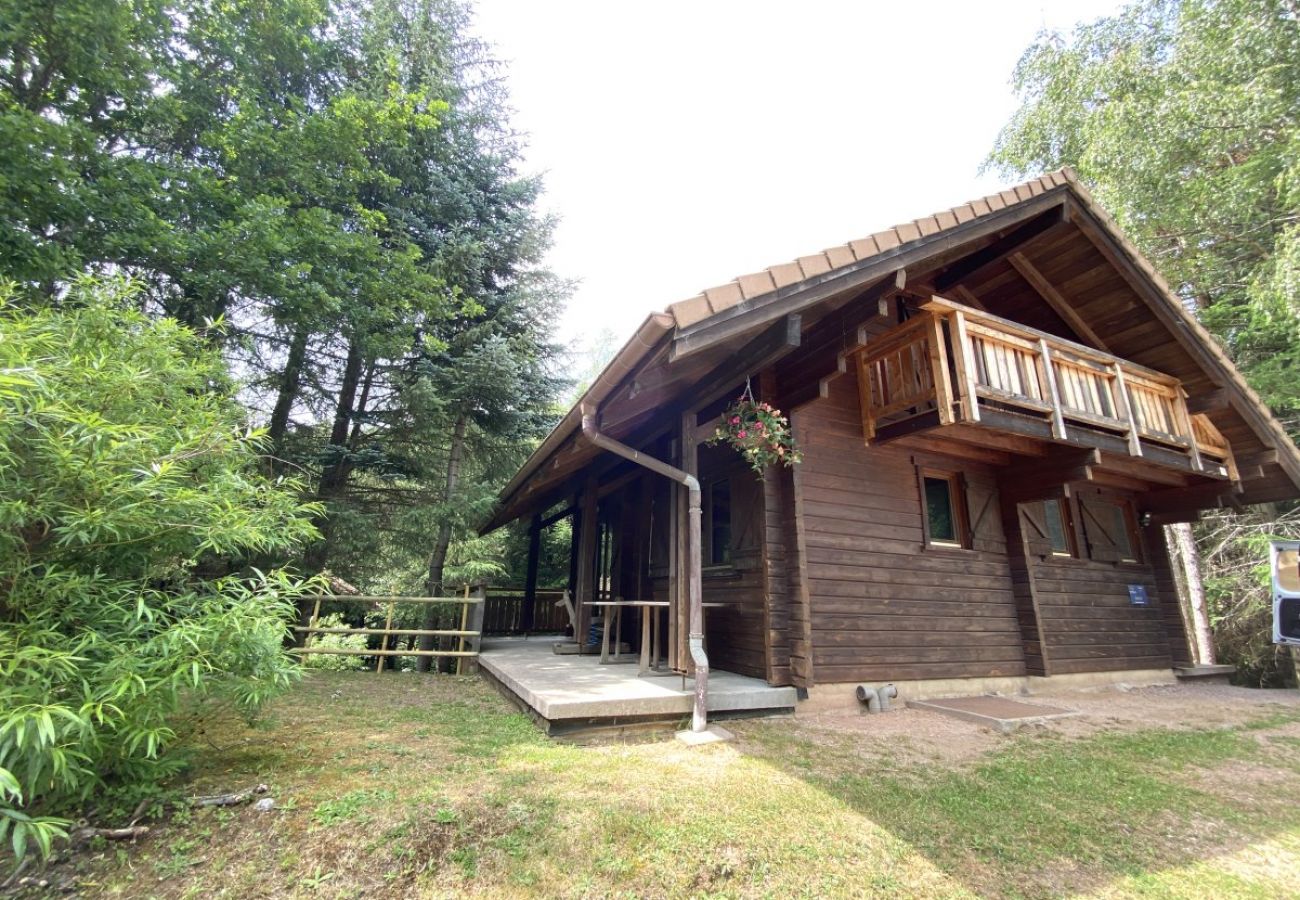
(998, 405)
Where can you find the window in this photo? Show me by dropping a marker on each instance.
(1060, 534)
(1111, 530)
(945, 513)
(717, 510)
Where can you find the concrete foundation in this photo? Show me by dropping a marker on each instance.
(839, 697)
(997, 713)
(571, 693)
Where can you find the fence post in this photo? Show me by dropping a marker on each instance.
(476, 611)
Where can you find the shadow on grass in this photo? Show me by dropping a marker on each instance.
(1049, 815)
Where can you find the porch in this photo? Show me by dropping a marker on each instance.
(573, 693)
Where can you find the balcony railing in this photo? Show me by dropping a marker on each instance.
(956, 364)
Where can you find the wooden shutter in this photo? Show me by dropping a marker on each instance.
(985, 518)
(1033, 519)
(1098, 525)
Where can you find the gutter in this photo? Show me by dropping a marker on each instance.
(695, 623)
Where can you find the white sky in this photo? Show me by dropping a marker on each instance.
(686, 143)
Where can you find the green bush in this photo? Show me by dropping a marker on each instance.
(131, 501)
(335, 662)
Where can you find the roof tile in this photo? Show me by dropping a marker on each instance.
(929, 225)
(887, 240)
(840, 256)
(864, 247)
(908, 232)
(724, 296)
(757, 284)
(786, 273)
(688, 312)
(814, 265)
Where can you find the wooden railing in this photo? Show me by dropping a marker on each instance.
(504, 611)
(952, 360)
(464, 640)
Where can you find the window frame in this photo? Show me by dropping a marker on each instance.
(956, 502)
(1068, 526)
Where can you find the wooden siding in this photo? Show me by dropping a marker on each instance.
(1087, 621)
(881, 606)
(735, 637)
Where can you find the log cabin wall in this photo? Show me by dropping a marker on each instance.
(735, 634)
(884, 607)
(1088, 621)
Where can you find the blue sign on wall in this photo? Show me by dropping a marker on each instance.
(1137, 595)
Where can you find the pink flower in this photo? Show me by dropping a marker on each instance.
(735, 420)
(742, 433)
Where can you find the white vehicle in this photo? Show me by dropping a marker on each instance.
(1285, 557)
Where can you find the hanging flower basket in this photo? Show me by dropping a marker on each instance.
(758, 432)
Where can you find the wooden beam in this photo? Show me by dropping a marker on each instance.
(529, 612)
(967, 296)
(799, 296)
(1053, 298)
(555, 517)
(1176, 516)
(1202, 496)
(998, 440)
(1255, 460)
(586, 576)
(774, 344)
(1036, 227)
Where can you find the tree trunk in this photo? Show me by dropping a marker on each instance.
(334, 477)
(290, 381)
(438, 558)
(1190, 559)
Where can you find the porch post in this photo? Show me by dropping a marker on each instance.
(530, 579)
(586, 581)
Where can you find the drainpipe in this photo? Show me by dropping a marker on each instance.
(695, 621)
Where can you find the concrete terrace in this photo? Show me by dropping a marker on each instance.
(569, 693)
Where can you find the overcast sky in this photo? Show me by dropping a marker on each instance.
(686, 143)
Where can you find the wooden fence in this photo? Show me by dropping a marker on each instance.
(504, 612)
(465, 639)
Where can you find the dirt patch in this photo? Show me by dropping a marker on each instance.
(923, 736)
(911, 735)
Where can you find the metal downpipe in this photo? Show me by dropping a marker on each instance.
(694, 575)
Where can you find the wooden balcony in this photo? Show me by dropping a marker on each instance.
(952, 364)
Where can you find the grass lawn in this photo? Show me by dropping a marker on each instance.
(409, 785)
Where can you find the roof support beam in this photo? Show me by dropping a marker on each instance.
(775, 343)
(1053, 298)
(1204, 496)
(966, 267)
